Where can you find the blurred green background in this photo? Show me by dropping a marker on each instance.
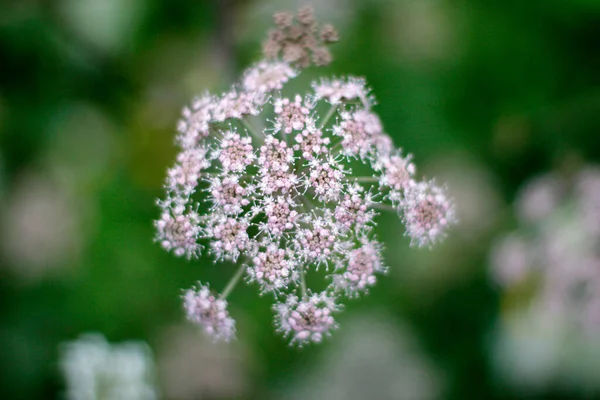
(484, 93)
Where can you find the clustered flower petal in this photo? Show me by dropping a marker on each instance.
(291, 116)
(229, 194)
(317, 244)
(360, 131)
(397, 175)
(336, 91)
(362, 265)
(236, 152)
(238, 104)
(194, 124)
(230, 237)
(273, 269)
(275, 163)
(311, 143)
(280, 214)
(267, 76)
(183, 177)
(179, 232)
(210, 312)
(307, 320)
(427, 213)
(353, 210)
(325, 179)
(278, 197)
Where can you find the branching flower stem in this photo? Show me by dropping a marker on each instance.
(252, 131)
(233, 281)
(328, 116)
(384, 207)
(365, 179)
(303, 283)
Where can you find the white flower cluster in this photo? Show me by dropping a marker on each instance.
(96, 369)
(282, 201)
(557, 245)
(548, 270)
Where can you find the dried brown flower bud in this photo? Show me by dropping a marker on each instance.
(293, 53)
(298, 41)
(306, 15)
(321, 56)
(295, 32)
(329, 34)
(309, 42)
(283, 19)
(276, 35)
(271, 48)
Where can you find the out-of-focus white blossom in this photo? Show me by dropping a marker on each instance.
(41, 227)
(192, 367)
(372, 358)
(538, 198)
(511, 259)
(97, 370)
(588, 198)
(548, 340)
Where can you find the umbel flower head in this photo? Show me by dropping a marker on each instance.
(278, 196)
(210, 312)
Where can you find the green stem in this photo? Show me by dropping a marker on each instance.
(303, 284)
(328, 116)
(305, 203)
(233, 281)
(365, 102)
(368, 179)
(215, 131)
(336, 147)
(384, 207)
(251, 130)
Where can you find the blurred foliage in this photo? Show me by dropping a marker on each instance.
(89, 95)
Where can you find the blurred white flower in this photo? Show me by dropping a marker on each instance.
(474, 189)
(108, 24)
(538, 198)
(192, 366)
(553, 339)
(96, 370)
(533, 351)
(588, 195)
(373, 358)
(511, 259)
(41, 228)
